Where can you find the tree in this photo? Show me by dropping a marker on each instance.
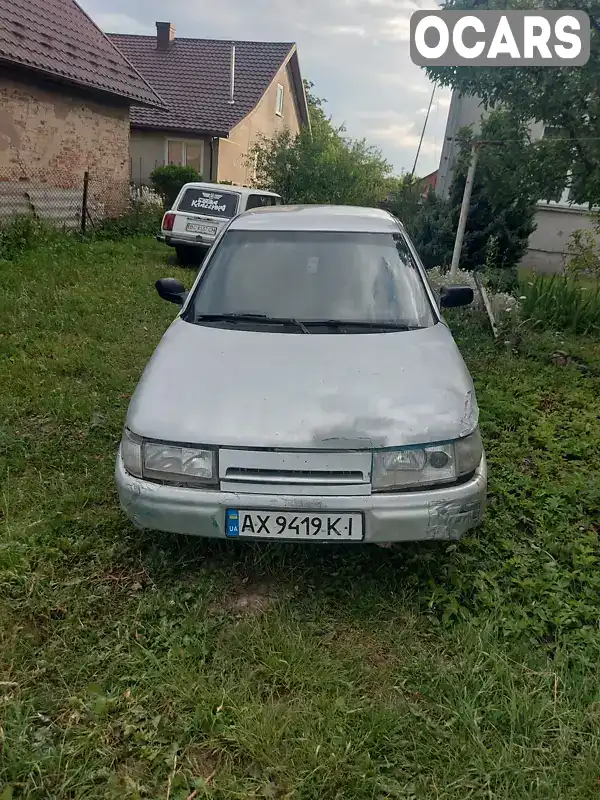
(502, 207)
(321, 164)
(566, 99)
(404, 200)
(505, 192)
(431, 231)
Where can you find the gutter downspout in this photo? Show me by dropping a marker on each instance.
(213, 159)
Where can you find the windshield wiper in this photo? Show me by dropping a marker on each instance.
(252, 318)
(358, 323)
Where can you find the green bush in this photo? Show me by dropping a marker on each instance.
(24, 233)
(143, 220)
(559, 303)
(502, 281)
(431, 231)
(167, 181)
(584, 251)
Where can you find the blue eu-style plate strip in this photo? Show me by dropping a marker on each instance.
(232, 523)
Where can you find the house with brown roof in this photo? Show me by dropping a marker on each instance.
(427, 184)
(65, 96)
(221, 96)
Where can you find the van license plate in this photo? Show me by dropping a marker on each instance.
(302, 526)
(198, 227)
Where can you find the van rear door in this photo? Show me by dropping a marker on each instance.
(204, 211)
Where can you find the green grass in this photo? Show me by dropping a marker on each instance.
(142, 665)
(588, 281)
(560, 303)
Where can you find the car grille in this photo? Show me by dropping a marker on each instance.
(294, 472)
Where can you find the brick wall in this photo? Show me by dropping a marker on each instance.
(51, 135)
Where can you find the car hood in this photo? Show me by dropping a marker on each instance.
(210, 385)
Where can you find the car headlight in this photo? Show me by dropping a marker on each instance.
(426, 466)
(131, 453)
(170, 463)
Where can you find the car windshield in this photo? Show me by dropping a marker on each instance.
(311, 276)
(209, 202)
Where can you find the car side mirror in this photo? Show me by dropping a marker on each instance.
(456, 296)
(172, 290)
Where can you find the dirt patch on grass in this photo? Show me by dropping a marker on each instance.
(245, 599)
(348, 640)
(202, 763)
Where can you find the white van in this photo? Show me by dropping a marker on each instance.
(200, 211)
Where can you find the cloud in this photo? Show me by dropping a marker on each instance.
(355, 51)
(113, 22)
(345, 30)
(396, 29)
(399, 79)
(404, 135)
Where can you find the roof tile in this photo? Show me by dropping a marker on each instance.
(57, 38)
(193, 76)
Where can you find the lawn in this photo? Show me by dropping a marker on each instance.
(141, 665)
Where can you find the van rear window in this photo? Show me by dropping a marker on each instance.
(262, 200)
(207, 201)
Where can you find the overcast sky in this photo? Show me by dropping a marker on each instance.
(354, 51)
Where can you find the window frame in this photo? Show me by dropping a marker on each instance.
(185, 143)
(279, 100)
(563, 201)
(416, 264)
(270, 197)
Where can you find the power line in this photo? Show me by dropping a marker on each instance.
(423, 132)
(536, 141)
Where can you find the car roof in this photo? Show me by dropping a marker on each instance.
(226, 187)
(316, 218)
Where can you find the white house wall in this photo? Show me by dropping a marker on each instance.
(464, 110)
(548, 244)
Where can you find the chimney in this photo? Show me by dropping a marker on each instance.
(165, 35)
(232, 86)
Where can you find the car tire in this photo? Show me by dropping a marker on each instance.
(186, 256)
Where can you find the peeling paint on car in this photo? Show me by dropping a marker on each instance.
(325, 392)
(449, 520)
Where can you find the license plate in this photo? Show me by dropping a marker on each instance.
(305, 526)
(198, 227)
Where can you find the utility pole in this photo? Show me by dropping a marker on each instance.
(464, 210)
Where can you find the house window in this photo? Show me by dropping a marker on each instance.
(185, 153)
(279, 101)
(562, 197)
(175, 152)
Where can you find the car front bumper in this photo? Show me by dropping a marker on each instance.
(444, 513)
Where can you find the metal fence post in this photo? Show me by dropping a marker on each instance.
(86, 180)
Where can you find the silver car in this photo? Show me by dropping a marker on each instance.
(308, 390)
